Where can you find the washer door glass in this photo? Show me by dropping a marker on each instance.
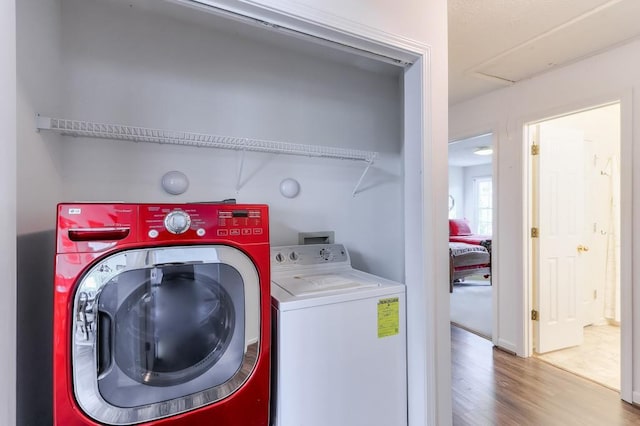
(174, 326)
(161, 331)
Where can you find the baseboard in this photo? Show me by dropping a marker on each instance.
(507, 346)
(477, 333)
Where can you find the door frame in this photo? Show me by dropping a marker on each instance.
(495, 229)
(625, 99)
(8, 215)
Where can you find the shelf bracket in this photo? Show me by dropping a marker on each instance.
(240, 167)
(42, 123)
(366, 169)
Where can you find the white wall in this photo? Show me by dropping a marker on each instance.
(591, 81)
(456, 190)
(8, 211)
(470, 174)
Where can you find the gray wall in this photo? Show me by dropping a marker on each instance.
(35, 311)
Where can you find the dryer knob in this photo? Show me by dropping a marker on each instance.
(177, 222)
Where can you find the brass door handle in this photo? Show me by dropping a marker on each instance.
(582, 248)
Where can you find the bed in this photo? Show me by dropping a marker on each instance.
(467, 259)
(469, 254)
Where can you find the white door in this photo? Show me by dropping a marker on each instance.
(560, 206)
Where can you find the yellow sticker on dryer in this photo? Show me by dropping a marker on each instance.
(388, 317)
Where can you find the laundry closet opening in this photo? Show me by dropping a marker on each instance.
(159, 65)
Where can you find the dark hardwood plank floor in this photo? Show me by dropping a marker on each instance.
(491, 387)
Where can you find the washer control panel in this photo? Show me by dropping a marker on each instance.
(246, 223)
(312, 254)
(96, 227)
(177, 221)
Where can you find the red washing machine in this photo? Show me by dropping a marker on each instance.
(162, 315)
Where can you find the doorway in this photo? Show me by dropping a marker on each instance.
(575, 242)
(471, 226)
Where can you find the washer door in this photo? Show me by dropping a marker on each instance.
(162, 331)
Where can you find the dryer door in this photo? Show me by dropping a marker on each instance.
(165, 330)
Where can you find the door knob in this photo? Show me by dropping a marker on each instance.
(582, 248)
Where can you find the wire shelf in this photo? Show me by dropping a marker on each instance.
(143, 134)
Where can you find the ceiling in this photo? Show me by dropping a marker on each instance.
(497, 43)
(461, 152)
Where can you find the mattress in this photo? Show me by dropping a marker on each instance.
(469, 255)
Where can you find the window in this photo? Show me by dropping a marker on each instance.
(483, 197)
(452, 207)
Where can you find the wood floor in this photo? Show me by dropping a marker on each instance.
(491, 387)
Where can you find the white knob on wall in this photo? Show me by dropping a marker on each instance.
(175, 182)
(289, 188)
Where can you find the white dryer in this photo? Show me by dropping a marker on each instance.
(339, 341)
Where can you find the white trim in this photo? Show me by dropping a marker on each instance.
(476, 202)
(527, 219)
(318, 23)
(627, 295)
(435, 261)
(363, 36)
(625, 98)
(506, 345)
(495, 243)
(8, 213)
(430, 400)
